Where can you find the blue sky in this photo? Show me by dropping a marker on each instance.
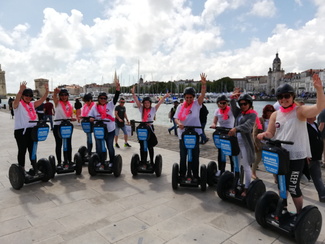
(81, 41)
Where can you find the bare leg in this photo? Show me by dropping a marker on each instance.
(298, 201)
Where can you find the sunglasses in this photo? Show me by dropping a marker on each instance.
(242, 104)
(28, 95)
(270, 111)
(103, 98)
(122, 102)
(285, 96)
(222, 103)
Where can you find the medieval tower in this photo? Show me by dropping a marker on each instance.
(39, 86)
(274, 75)
(3, 90)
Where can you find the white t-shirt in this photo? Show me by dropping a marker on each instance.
(109, 110)
(60, 114)
(290, 128)
(22, 118)
(151, 115)
(192, 119)
(228, 123)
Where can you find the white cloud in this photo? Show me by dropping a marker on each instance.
(264, 8)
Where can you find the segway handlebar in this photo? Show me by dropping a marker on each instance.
(142, 122)
(221, 129)
(62, 120)
(277, 143)
(192, 127)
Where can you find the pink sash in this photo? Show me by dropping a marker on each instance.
(67, 108)
(29, 107)
(257, 120)
(224, 112)
(145, 113)
(288, 109)
(102, 111)
(184, 111)
(86, 108)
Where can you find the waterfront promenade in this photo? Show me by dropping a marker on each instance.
(140, 210)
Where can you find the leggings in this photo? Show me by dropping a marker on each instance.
(24, 142)
(144, 154)
(294, 176)
(243, 160)
(58, 146)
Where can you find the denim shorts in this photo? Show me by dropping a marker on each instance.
(117, 130)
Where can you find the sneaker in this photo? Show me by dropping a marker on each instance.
(169, 131)
(117, 145)
(127, 145)
(322, 199)
(293, 222)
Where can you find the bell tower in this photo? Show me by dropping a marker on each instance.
(3, 89)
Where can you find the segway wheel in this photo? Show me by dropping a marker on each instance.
(16, 176)
(83, 151)
(256, 190)
(77, 159)
(93, 161)
(45, 167)
(135, 164)
(225, 184)
(309, 226)
(52, 163)
(203, 177)
(175, 174)
(211, 172)
(264, 206)
(158, 165)
(117, 165)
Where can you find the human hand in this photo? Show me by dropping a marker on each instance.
(167, 95)
(260, 136)
(117, 84)
(23, 86)
(203, 78)
(232, 132)
(317, 81)
(132, 90)
(56, 91)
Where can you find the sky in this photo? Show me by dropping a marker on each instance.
(82, 42)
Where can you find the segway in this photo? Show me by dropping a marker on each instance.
(271, 209)
(65, 132)
(85, 152)
(42, 170)
(97, 162)
(213, 174)
(231, 186)
(143, 165)
(190, 138)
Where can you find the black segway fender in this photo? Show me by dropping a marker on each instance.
(44, 166)
(175, 174)
(211, 173)
(83, 152)
(203, 177)
(117, 165)
(135, 164)
(16, 176)
(224, 185)
(255, 190)
(77, 159)
(265, 205)
(308, 225)
(93, 161)
(158, 165)
(53, 165)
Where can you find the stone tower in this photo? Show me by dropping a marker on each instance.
(39, 86)
(274, 75)
(3, 89)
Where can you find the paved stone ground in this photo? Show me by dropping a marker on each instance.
(142, 209)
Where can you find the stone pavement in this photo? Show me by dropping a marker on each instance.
(105, 209)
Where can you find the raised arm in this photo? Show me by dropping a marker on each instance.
(162, 100)
(55, 96)
(203, 88)
(117, 91)
(19, 94)
(310, 111)
(135, 98)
